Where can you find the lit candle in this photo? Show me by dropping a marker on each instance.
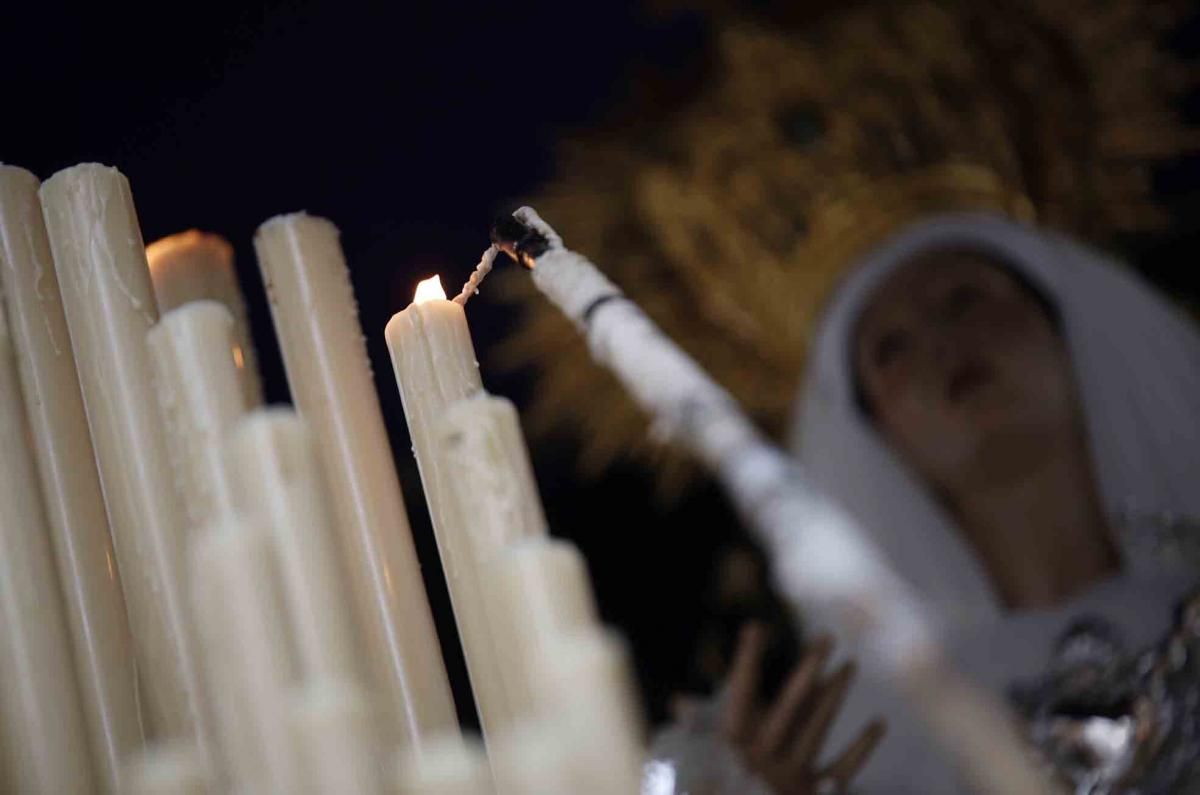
(241, 626)
(43, 746)
(279, 484)
(315, 317)
(435, 367)
(172, 768)
(200, 396)
(109, 305)
(336, 739)
(78, 524)
(194, 266)
(449, 766)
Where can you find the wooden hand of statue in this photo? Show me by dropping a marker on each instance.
(782, 740)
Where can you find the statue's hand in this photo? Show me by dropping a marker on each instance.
(781, 741)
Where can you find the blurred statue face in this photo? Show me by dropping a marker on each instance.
(963, 370)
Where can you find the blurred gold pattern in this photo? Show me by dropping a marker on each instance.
(730, 219)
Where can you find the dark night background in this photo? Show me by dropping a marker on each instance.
(411, 128)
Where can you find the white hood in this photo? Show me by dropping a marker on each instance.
(1136, 360)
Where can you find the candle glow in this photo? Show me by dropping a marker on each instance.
(430, 290)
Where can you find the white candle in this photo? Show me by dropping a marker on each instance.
(95, 607)
(246, 657)
(200, 397)
(490, 503)
(449, 766)
(587, 692)
(196, 266)
(109, 305)
(435, 368)
(533, 759)
(336, 738)
(315, 316)
(434, 363)
(165, 769)
(540, 592)
(43, 745)
(280, 485)
(484, 466)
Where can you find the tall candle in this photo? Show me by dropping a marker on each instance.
(172, 768)
(200, 396)
(109, 305)
(91, 589)
(43, 746)
(195, 266)
(435, 367)
(587, 692)
(279, 483)
(449, 766)
(533, 759)
(336, 739)
(315, 316)
(434, 363)
(540, 593)
(247, 665)
(490, 501)
(483, 467)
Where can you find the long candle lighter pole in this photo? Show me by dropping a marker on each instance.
(822, 559)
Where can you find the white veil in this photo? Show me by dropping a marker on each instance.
(1136, 361)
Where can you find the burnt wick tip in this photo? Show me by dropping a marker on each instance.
(519, 241)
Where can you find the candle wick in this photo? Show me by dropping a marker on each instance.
(477, 276)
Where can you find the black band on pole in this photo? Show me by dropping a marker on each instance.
(597, 303)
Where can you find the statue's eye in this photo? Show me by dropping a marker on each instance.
(802, 124)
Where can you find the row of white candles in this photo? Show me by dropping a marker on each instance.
(198, 594)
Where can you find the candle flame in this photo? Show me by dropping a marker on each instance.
(430, 290)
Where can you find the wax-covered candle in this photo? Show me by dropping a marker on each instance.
(279, 484)
(109, 305)
(336, 736)
(91, 588)
(200, 397)
(448, 766)
(43, 745)
(484, 474)
(172, 768)
(434, 364)
(532, 759)
(435, 367)
(196, 266)
(587, 693)
(540, 592)
(247, 661)
(315, 316)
